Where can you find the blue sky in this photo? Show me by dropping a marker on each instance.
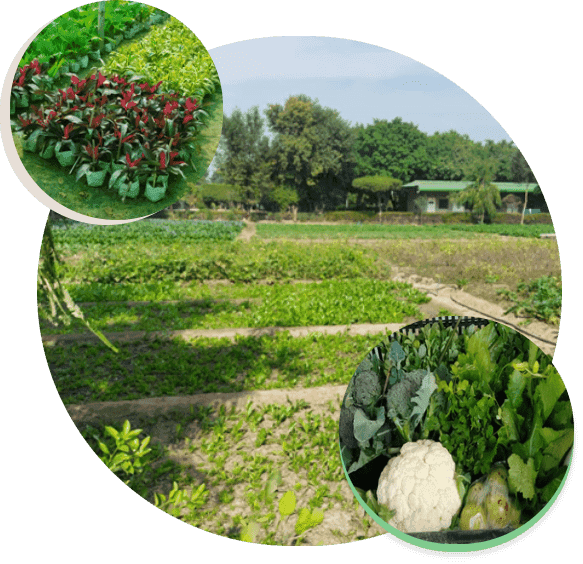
(359, 80)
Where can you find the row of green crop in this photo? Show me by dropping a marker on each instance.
(73, 36)
(332, 302)
(172, 54)
(81, 235)
(236, 261)
(87, 372)
(372, 231)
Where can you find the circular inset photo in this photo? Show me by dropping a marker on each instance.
(115, 110)
(456, 430)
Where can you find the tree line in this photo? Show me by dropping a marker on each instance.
(316, 160)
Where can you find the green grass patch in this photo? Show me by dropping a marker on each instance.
(368, 231)
(159, 367)
(332, 302)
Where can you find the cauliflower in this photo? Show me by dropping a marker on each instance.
(419, 485)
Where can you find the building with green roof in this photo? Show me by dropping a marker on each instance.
(439, 195)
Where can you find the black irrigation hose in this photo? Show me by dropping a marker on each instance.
(504, 322)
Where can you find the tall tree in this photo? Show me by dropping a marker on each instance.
(397, 149)
(481, 195)
(243, 156)
(451, 155)
(502, 154)
(312, 150)
(521, 172)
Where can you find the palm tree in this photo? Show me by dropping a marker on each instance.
(481, 195)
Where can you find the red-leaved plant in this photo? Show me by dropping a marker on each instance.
(116, 126)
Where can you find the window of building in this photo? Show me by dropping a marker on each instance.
(443, 203)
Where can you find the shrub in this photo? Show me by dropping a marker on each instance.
(171, 53)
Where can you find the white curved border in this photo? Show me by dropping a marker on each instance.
(16, 162)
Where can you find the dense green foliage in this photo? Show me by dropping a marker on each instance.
(236, 261)
(315, 152)
(169, 367)
(76, 235)
(488, 395)
(74, 34)
(332, 302)
(172, 54)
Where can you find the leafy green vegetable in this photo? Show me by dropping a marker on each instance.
(488, 395)
(521, 476)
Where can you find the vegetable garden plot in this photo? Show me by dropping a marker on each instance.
(267, 473)
(488, 397)
(333, 302)
(135, 138)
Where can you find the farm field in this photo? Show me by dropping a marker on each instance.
(174, 275)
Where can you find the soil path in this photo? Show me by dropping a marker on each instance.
(249, 231)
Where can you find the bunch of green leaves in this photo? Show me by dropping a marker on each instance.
(75, 33)
(507, 403)
(383, 408)
(287, 507)
(181, 502)
(173, 54)
(495, 399)
(538, 423)
(123, 452)
(540, 299)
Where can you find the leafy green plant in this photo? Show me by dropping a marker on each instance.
(181, 503)
(541, 299)
(122, 451)
(493, 397)
(237, 262)
(74, 34)
(126, 129)
(305, 518)
(171, 53)
(78, 235)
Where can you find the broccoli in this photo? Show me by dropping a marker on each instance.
(367, 388)
(364, 390)
(399, 395)
(347, 427)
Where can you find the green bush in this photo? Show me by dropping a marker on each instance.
(171, 53)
